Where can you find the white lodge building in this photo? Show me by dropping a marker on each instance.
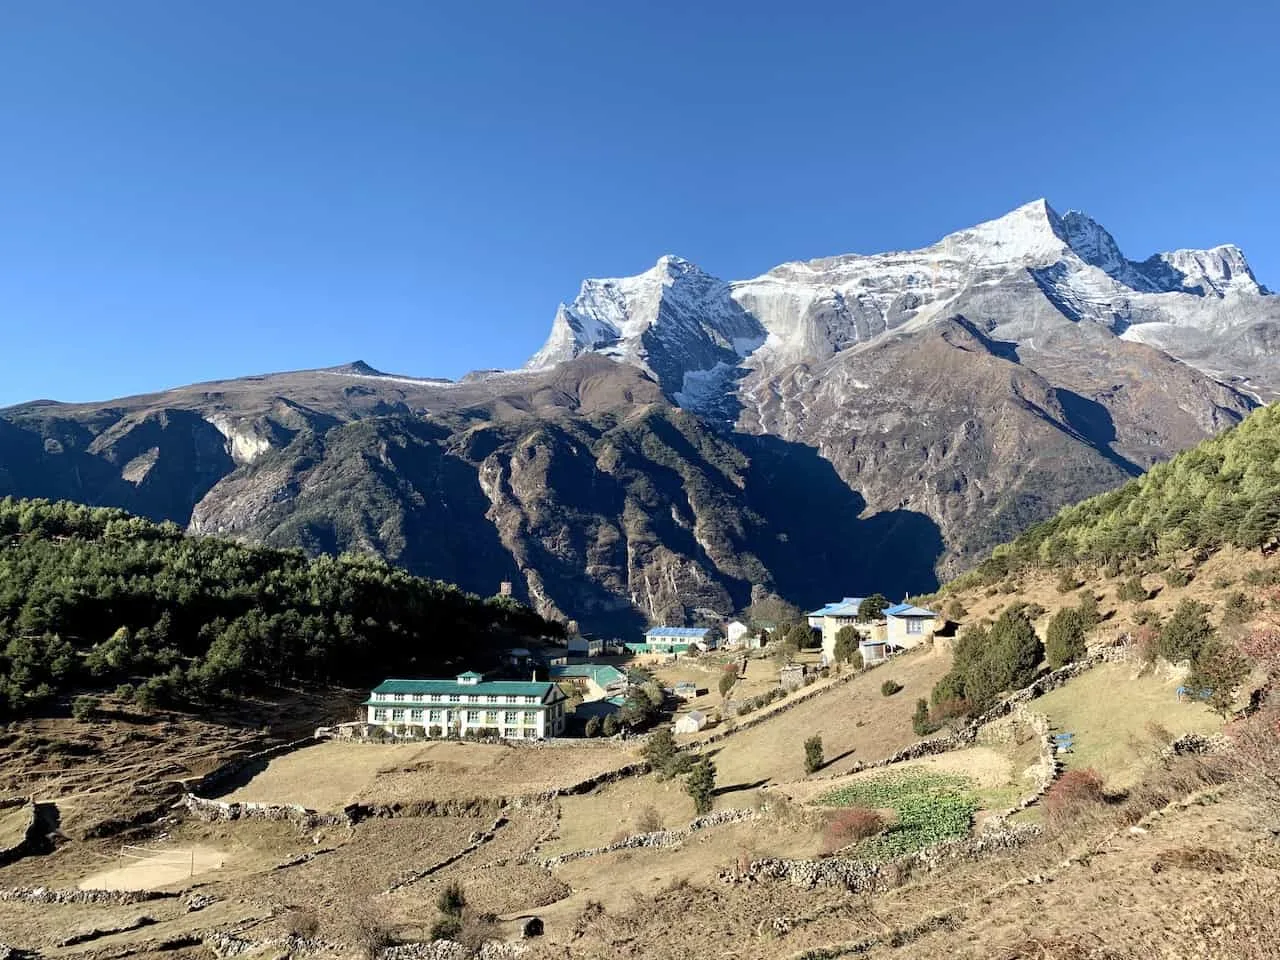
(511, 709)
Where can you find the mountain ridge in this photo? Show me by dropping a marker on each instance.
(886, 417)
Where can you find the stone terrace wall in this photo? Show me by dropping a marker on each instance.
(30, 820)
(213, 778)
(861, 876)
(105, 897)
(657, 839)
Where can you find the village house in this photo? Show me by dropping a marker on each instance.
(909, 626)
(593, 680)
(686, 690)
(512, 709)
(669, 639)
(585, 646)
(834, 617)
(734, 631)
(691, 722)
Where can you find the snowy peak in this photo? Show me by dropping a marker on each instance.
(609, 312)
(697, 336)
(1219, 271)
(1032, 232)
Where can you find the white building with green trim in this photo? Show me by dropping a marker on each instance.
(469, 704)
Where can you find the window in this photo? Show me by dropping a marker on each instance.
(493, 698)
(434, 716)
(473, 716)
(511, 733)
(454, 698)
(530, 718)
(511, 717)
(491, 718)
(399, 698)
(415, 716)
(915, 626)
(530, 699)
(379, 714)
(397, 716)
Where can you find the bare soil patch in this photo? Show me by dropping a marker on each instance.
(153, 867)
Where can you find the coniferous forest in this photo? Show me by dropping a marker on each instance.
(94, 599)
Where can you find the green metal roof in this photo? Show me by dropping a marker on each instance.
(444, 688)
(602, 674)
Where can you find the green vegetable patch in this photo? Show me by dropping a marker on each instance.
(930, 808)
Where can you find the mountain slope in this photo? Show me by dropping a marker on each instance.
(681, 443)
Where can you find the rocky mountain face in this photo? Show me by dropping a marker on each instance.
(681, 443)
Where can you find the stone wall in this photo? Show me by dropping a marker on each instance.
(116, 898)
(28, 837)
(213, 810)
(211, 780)
(861, 876)
(656, 839)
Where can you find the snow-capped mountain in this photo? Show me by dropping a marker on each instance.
(699, 335)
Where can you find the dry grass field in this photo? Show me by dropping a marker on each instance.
(331, 775)
(1113, 711)
(855, 721)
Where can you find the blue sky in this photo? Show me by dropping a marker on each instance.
(200, 190)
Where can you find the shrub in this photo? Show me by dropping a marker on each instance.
(592, 728)
(847, 640)
(1090, 617)
(303, 924)
(1175, 577)
(648, 820)
(1263, 577)
(889, 688)
(700, 784)
(610, 726)
(921, 722)
(1132, 590)
(1067, 581)
(446, 928)
(849, 826)
(1237, 609)
(727, 680)
(452, 900)
(1221, 583)
(1219, 669)
(124, 692)
(85, 707)
(1064, 638)
(813, 754)
(1185, 632)
(1074, 794)
(954, 610)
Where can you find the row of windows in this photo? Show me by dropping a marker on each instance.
(459, 698)
(528, 718)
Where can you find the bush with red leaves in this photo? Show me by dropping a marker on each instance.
(1075, 794)
(851, 825)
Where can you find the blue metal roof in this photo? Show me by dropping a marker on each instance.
(692, 633)
(907, 610)
(848, 607)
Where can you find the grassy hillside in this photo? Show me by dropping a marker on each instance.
(1224, 492)
(91, 598)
